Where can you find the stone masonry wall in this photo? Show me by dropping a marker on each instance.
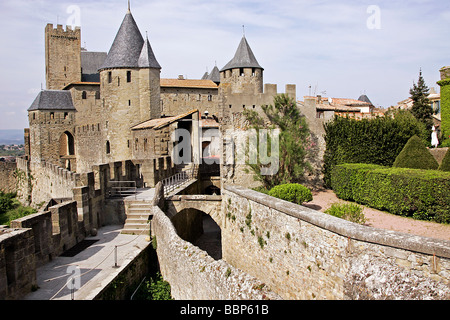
(7, 179)
(194, 275)
(305, 254)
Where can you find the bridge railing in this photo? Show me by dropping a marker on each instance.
(175, 181)
(122, 188)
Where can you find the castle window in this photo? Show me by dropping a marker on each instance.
(118, 81)
(34, 116)
(230, 106)
(128, 76)
(241, 71)
(145, 144)
(108, 147)
(209, 97)
(253, 72)
(84, 95)
(66, 115)
(109, 77)
(136, 142)
(254, 106)
(129, 102)
(52, 115)
(97, 95)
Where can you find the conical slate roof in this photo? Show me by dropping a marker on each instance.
(127, 46)
(244, 57)
(364, 98)
(214, 75)
(147, 58)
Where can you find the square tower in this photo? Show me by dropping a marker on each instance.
(62, 56)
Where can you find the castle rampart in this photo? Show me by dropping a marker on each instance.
(305, 254)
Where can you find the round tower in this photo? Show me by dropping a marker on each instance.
(130, 87)
(243, 73)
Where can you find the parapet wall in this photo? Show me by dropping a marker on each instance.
(194, 275)
(31, 242)
(305, 254)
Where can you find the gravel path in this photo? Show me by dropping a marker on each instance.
(322, 200)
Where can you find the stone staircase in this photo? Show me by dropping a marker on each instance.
(138, 216)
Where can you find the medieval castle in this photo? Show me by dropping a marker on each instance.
(109, 118)
(102, 108)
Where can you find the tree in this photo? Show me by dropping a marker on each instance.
(421, 108)
(294, 141)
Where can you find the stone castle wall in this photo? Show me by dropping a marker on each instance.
(305, 254)
(176, 101)
(194, 275)
(7, 177)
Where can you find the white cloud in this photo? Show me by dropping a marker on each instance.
(296, 41)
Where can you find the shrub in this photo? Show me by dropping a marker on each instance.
(7, 202)
(445, 164)
(155, 289)
(292, 192)
(372, 141)
(421, 194)
(415, 156)
(348, 211)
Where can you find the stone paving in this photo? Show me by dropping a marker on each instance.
(95, 264)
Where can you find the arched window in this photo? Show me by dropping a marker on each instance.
(66, 144)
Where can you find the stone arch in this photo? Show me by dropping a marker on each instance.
(66, 144)
(200, 229)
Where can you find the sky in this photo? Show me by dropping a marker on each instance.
(338, 49)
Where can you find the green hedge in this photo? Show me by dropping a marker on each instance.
(374, 141)
(415, 156)
(292, 192)
(421, 194)
(445, 108)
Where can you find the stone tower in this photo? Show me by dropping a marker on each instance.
(242, 74)
(62, 56)
(130, 85)
(52, 123)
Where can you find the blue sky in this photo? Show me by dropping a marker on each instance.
(327, 45)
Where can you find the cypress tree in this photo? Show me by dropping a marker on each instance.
(421, 108)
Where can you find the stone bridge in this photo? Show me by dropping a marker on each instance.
(211, 205)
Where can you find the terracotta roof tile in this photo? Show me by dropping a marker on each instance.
(188, 83)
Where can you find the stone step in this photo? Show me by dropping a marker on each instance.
(134, 231)
(139, 226)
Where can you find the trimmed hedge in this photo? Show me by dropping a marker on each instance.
(292, 192)
(415, 156)
(374, 141)
(421, 194)
(445, 108)
(445, 164)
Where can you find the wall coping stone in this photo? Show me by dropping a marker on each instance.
(346, 228)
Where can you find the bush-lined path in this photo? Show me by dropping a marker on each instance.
(323, 199)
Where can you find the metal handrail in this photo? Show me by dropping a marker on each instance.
(173, 182)
(122, 190)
